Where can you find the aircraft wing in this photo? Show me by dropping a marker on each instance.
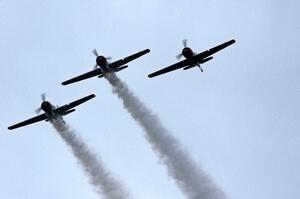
(213, 50)
(197, 58)
(121, 62)
(83, 76)
(176, 66)
(30, 121)
(61, 110)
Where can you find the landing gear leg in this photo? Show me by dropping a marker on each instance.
(200, 67)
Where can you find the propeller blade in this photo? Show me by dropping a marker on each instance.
(95, 53)
(108, 58)
(38, 110)
(43, 96)
(184, 42)
(179, 56)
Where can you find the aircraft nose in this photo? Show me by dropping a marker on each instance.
(101, 61)
(187, 52)
(46, 106)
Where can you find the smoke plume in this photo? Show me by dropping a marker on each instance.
(192, 180)
(106, 185)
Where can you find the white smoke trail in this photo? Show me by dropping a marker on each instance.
(99, 176)
(192, 180)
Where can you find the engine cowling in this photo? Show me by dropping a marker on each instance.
(101, 61)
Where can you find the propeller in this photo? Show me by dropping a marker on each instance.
(95, 53)
(179, 56)
(38, 110)
(184, 42)
(43, 96)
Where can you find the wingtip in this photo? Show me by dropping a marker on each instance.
(90, 96)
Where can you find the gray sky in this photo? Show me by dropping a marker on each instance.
(239, 119)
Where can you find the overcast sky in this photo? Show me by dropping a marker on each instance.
(239, 119)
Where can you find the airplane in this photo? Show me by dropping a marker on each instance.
(51, 111)
(191, 58)
(103, 67)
